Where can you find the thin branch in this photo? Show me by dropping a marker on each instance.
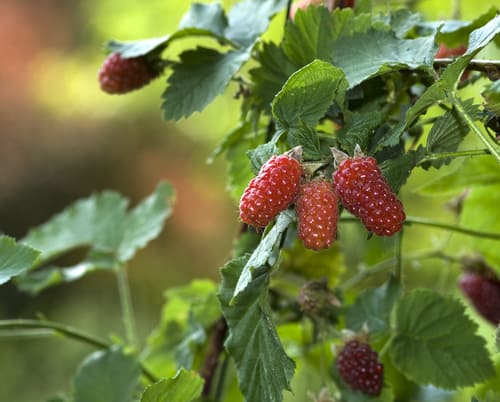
(69, 332)
(413, 220)
(458, 154)
(489, 67)
(126, 305)
(211, 361)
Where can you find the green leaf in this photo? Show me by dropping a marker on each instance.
(100, 223)
(106, 375)
(263, 251)
(310, 35)
(308, 93)
(264, 369)
(373, 308)
(367, 54)
(307, 138)
(14, 258)
(403, 20)
(248, 19)
(270, 75)
(480, 212)
(137, 48)
(188, 314)
(435, 342)
(396, 171)
(448, 132)
(198, 78)
(184, 387)
(261, 154)
(358, 129)
(209, 17)
(491, 94)
(240, 172)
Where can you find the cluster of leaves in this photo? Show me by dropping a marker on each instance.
(339, 79)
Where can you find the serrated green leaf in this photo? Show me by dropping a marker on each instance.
(186, 317)
(261, 154)
(14, 258)
(480, 212)
(210, 17)
(435, 342)
(137, 48)
(264, 369)
(367, 54)
(310, 35)
(106, 375)
(184, 387)
(198, 78)
(308, 93)
(373, 308)
(358, 129)
(100, 223)
(448, 132)
(403, 20)
(263, 251)
(491, 94)
(480, 37)
(248, 19)
(396, 171)
(270, 75)
(307, 138)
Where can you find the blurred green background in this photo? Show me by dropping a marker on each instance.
(62, 139)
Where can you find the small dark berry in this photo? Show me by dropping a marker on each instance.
(271, 191)
(484, 293)
(120, 75)
(359, 367)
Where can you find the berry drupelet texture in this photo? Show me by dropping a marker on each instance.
(317, 214)
(484, 293)
(365, 193)
(359, 367)
(120, 75)
(271, 191)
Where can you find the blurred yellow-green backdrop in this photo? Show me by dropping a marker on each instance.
(61, 139)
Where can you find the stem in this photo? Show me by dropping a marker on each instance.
(485, 66)
(458, 154)
(219, 390)
(490, 143)
(69, 332)
(413, 220)
(126, 305)
(208, 369)
(288, 7)
(386, 346)
(398, 269)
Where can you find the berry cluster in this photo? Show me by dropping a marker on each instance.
(359, 367)
(119, 75)
(358, 183)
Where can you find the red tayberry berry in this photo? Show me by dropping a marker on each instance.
(359, 367)
(484, 293)
(365, 193)
(271, 191)
(120, 75)
(317, 214)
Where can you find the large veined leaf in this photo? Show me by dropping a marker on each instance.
(184, 387)
(263, 251)
(14, 258)
(106, 375)
(435, 342)
(102, 224)
(264, 369)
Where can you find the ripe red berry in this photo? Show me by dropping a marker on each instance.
(317, 213)
(359, 367)
(120, 75)
(484, 293)
(271, 191)
(365, 193)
